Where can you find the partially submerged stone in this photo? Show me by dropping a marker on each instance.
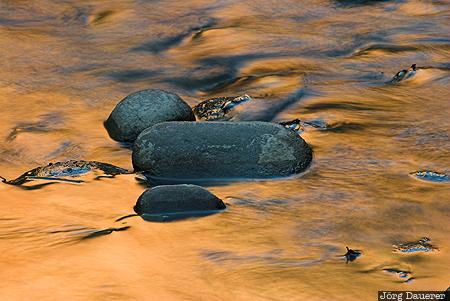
(404, 275)
(404, 74)
(169, 202)
(217, 109)
(219, 150)
(143, 109)
(421, 245)
(431, 176)
(298, 125)
(66, 171)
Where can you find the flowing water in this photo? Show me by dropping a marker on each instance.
(65, 64)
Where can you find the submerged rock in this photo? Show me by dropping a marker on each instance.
(431, 176)
(219, 150)
(405, 276)
(143, 109)
(422, 245)
(65, 171)
(404, 74)
(169, 202)
(298, 125)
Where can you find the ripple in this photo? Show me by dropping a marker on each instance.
(134, 75)
(383, 49)
(163, 42)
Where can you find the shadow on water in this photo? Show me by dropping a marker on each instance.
(347, 106)
(35, 187)
(346, 127)
(204, 79)
(46, 123)
(97, 233)
(34, 235)
(177, 216)
(215, 74)
(148, 181)
(134, 75)
(152, 181)
(272, 258)
(275, 107)
(162, 43)
(354, 3)
(168, 216)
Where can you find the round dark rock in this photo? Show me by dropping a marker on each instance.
(167, 199)
(219, 150)
(143, 109)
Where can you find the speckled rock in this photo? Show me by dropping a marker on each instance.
(143, 109)
(170, 199)
(219, 150)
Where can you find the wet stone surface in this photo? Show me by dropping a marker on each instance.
(220, 150)
(218, 109)
(431, 176)
(66, 171)
(403, 275)
(171, 202)
(143, 109)
(421, 245)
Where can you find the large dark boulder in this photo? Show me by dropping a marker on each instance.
(177, 200)
(143, 109)
(219, 150)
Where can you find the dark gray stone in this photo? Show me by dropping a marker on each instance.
(166, 199)
(143, 109)
(219, 150)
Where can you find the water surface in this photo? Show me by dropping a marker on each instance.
(65, 64)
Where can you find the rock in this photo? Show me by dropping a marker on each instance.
(177, 201)
(143, 109)
(66, 171)
(219, 150)
(431, 176)
(421, 245)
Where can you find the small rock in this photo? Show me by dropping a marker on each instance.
(406, 276)
(218, 109)
(431, 176)
(142, 109)
(421, 245)
(168, 202)
(66, 171)
(219, 150)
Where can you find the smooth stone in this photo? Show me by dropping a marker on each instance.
(219, 150)
(178, 201)
(143, 109)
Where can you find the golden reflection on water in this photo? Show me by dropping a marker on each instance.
(66, 64)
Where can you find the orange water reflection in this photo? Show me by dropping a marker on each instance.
(278, 240)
